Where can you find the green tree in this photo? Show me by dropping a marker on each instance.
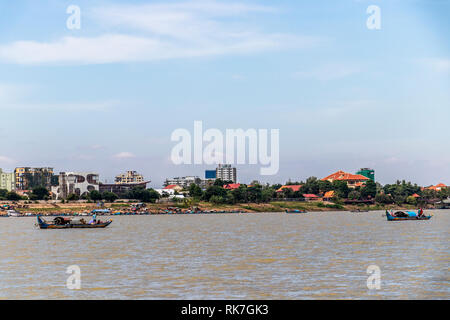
(39, 193)
(73, 197)
(369, 190)
(341, 188)
(195, 191)
(12, 196)
(94, 195)
(354, 195)
(3, 193)
(110, 196)
(214, 191)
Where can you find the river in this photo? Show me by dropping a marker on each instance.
(230, 256)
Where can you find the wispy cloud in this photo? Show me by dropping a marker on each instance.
(4, 159)
(124, 155)
(158, 32)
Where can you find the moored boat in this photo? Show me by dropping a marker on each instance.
(406, 215)
(67, 223)
(295, 211)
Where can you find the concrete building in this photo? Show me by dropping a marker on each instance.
(226, 172)
(79, 183)
(210, 174)
(7, 181)
(367, 172)
(183, 182)
(129, 177)
(121, 188)
(28, 178)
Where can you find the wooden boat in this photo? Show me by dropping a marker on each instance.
(405, 215)
(67, 223)
(295, 211)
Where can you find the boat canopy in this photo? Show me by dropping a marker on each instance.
(101, 211)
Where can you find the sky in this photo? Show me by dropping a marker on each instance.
(106, 97)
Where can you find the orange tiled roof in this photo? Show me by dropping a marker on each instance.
(171, 186)
(440, 185)
(292, 187)
(232, 186)
(329, 194)
(308, 195)
(344, 176)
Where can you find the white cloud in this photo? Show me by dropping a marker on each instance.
(157, 32)
(124, 155)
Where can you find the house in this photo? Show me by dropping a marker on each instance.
(353, 180)
(292, 187)
(310, 197)
(232, 186)
(437, 187)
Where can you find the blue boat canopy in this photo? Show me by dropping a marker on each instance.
(411, 213)
(101, 211)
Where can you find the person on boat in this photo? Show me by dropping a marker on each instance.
(94, 219)
(420, 212)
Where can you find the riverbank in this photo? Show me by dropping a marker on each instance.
(48, 208)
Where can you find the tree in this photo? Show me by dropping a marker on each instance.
(13, 196)
(195, 191)
(3, 193)
(217, 199)
(73, 197)
(383, 198)
(149, 195)
(110, 196)
(341, 188)
(369, 190)
(354, 195)
(39, 193)
(411, 200)
(214, 191)
(94, 195)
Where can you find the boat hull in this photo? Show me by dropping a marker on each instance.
(43, 225)
(390, 217)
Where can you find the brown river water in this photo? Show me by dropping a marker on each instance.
(230, 256)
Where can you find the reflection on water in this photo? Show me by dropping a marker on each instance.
(239, 256)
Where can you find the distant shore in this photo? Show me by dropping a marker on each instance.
(50, 207)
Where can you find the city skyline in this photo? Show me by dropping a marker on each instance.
(106, 97)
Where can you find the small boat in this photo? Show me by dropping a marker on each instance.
(67, 223)
(405, 215)
(295, 211)
(359, 210)
(14, 213)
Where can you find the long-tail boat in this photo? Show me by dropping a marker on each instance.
(405, 215)
(67, 223)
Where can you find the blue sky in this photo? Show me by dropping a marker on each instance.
(107, 97)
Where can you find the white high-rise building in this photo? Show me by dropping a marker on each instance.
(226, 172)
